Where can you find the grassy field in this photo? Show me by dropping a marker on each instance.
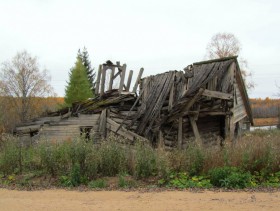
(252, 162)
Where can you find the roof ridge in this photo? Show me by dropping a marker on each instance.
(215, 60)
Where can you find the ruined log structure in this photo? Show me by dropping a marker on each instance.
(205, 103)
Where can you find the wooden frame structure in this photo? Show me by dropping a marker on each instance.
(205, 102)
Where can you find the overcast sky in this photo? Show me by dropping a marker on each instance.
(158, 35)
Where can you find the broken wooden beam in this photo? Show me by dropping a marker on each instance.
(103, 78)
(129, 80)
(111, 78)
(138, 79)
(216, 94)
(122, 78)
(98, 80)
(195, 131)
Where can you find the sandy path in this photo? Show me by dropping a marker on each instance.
(119, 200)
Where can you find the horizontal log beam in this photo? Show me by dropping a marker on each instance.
(216, 94)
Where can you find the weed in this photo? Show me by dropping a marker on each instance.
(99, 183)
(229, 177)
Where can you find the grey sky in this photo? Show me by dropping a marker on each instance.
(158, 35)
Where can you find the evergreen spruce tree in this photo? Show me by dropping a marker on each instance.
(78, 88)
(86, 62)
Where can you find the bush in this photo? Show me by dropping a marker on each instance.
(112, 158)
(229, 177)
(145, 161)
(55, 158)
(10, 157)
(75, 175)
(191, 160)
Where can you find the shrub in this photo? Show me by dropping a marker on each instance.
(145, 161)
(55, 158)
(189, 160)
(75, 175)
(112, 158)
(10, 157)
(229, 177)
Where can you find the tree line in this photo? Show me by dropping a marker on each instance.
(265, 108)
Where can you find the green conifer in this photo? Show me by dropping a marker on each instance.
(78, 88)
(86, 62)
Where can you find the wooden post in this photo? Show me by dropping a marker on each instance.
(103, 78)
(129, 80)
(98, 80)
(180, 133)
(111, 78)
(161, 140)
(195, 131)
(231, 129)
(138, 80)
(102, 123)
(122, 78)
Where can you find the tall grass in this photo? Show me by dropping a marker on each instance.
(81, 161)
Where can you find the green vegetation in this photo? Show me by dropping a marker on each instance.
(252, 162)
(89, 70)
(78, 88)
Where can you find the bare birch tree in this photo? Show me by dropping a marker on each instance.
(21, 82)
(226, 45)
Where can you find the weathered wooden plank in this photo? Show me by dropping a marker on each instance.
(129, 80)
(138, 80)
(122, 78)
(98, 80)
(216, 94)
(195, 131)
(127, 132)
(102, 125)
(186, 108)
(111, 78)
(156, 101)
(171, 98)
(103, 78)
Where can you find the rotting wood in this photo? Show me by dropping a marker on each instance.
(111, 78)
(195, 131)
(187, 107)
(167, 107)
(103, 78)
(102, 125)
(127, 132)
(216, 94)
(98, 80)
(122, 78)
(138, 80)
(129, 80)
(171, 98)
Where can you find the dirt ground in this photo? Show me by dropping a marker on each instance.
(135, 200)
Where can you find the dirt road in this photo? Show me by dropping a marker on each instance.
(120, 200)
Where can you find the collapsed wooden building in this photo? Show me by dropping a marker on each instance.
(205, 102)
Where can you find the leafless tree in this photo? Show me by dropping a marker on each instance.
(21, 82)
(225, 45)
